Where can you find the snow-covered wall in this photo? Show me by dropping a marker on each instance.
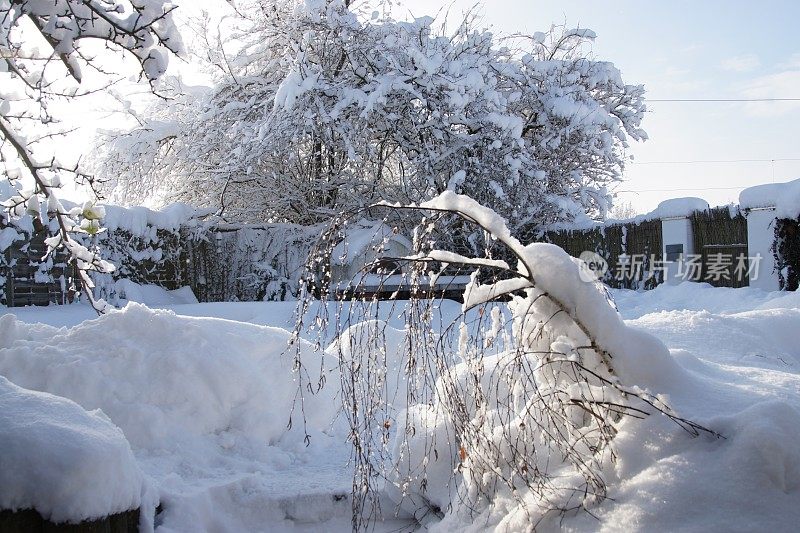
(676, 234)
(763, 205)
(783, 197)
(760, 240)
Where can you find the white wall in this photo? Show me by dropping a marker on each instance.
(760, 236)
(677, 230)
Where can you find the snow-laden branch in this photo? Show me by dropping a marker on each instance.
(512, 409)
(41, 62)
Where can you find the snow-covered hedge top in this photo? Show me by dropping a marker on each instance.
(674, 207)
(784, 197)
(67, 463)
(136, 220)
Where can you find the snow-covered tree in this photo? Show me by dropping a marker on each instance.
(320, 108)
(44, 50)
(622, 211)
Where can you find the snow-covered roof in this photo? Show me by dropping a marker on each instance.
(360, 236)
(784, 197)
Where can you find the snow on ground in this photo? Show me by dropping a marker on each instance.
(82, 458)
(202, 393)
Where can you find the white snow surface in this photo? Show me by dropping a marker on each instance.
(204, 402)
(202, 393)
(153, 295)
(678, 207)
(57, 458)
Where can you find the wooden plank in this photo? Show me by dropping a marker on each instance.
(30, 521)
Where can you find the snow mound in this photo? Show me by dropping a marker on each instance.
(678, 207)
(68, 464)
(164, 379)
(639, 358)
(153, 295)
(749, 481)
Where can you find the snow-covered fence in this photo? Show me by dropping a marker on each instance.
(25, 277)
(630, 250)
(172, 248)
(682, 240)
(33, 281)
(685, 240)
(218, 262)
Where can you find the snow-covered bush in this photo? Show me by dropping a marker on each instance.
(508, 423)
(786, 250)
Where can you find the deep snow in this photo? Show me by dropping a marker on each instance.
(204, 403)
(61, 460)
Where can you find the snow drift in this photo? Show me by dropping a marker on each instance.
(164, 379)
(202, 399)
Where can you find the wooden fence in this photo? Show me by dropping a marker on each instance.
(615, 244)
(31, 281)
(720, 238)
(256, 263)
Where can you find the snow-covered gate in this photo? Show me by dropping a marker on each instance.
(720, 241)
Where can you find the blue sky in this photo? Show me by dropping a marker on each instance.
(683, 49)
(677, 49)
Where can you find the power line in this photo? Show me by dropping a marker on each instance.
(691, 189)
(697, 161)
(723, 99)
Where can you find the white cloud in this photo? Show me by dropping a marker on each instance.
(779, 85)
(743, 63)
(792, 63)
